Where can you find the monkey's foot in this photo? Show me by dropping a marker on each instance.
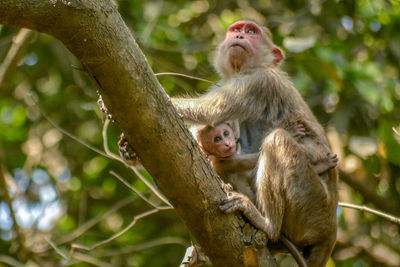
(326, 164)
(234, 201)
(126, 151)
(332, 160)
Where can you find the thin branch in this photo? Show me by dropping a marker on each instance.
(395, 131)
(57, 250)
(105, 141)
(369, 193)
(90, 259)
(145, 38)
(134, 190)
(376, 212)
(92, 222)
(135, 219)
(108, 153)
(8, 200)
(10, 261)
(138, 174)
(146, 245)
(183, 75)
(73, 137)
(149, 185)
(20, 44)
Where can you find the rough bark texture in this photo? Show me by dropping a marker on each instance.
(96, 34)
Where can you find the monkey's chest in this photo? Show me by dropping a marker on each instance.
(252, 133)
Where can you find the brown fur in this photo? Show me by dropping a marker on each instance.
(291, 198)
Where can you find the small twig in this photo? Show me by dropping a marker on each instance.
(73, 137)
(92, 222)
(21, 43)
(107, 155)
(57, 250)
(183, 75)
(149, 185)
(368, 192)
(134, 189)
(8, 200)
(138, 174)
(395, 131)
(143, 246)
(135, 219)
(10, 261)
(105, 141)
(376, 212)
(90, 259)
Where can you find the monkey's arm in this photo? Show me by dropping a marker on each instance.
(235, 163)
(241, 97)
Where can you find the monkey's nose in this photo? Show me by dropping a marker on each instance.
(240, 36)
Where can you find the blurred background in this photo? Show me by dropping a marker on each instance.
(343, 57)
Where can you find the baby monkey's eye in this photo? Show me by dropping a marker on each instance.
(217, 139)
(226, 133)
(236, 30)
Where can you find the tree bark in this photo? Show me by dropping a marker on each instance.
(96, 34)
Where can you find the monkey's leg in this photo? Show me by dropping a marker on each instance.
(290, 194)
(273, 170)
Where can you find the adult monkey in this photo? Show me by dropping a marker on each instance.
(292, 199)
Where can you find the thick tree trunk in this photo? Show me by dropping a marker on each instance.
(96, 34)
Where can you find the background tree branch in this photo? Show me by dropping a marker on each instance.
(96, 34)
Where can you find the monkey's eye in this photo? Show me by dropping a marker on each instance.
(236, 30)
(226, 133)
(217, 139)
(251, 31)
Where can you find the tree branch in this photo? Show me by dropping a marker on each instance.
(17, 50)
(366, 209)
(96, 34)
(369, 193)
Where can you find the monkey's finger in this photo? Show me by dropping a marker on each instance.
(227, 199)
(228, 207)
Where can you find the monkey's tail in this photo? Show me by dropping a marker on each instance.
(294, 251)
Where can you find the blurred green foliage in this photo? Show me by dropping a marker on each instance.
(343, 57)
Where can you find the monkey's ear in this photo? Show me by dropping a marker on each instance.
(278, 54)
(203, 150)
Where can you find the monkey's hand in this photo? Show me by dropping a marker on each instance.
(126, 151)
(234, 201)
(298, 130)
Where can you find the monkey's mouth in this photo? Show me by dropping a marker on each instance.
(237, 45)
(230, 151)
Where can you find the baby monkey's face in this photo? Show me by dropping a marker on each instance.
(219, 141)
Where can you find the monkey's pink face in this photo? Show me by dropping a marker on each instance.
(243, 37)
(220, 141)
